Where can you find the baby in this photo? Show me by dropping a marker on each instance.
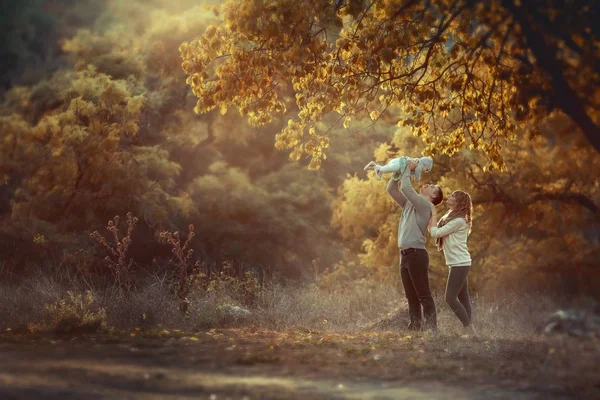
(397, 165)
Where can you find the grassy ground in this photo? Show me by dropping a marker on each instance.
(354, 336)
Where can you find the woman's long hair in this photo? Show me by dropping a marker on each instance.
(463, 209)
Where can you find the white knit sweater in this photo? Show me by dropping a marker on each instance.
(455, 235)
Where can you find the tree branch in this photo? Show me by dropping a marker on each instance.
(578, 198)
(564, 96)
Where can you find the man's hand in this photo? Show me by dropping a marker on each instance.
(411, 165)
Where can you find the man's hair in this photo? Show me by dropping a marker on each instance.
(439, 196)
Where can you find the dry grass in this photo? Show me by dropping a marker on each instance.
(321, 324)
(275, 306)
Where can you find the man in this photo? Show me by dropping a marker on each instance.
(414, 259)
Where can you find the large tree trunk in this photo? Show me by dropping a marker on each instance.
(564, 96)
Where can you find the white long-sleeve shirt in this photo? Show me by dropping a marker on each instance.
(454, 245)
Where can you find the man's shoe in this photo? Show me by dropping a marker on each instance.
(414, 326)
(471, 330)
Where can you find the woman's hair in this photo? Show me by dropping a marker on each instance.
(462, 209)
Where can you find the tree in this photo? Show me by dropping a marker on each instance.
(113, 132)
(460, 73)
(78, 163)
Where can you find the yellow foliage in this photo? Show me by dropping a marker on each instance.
(459, 93)
(72, 157)
(74, 314)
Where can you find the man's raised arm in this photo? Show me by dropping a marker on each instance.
(392, 189)
(418, 201)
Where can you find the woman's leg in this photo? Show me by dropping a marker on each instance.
(464, 298)
(456, 280)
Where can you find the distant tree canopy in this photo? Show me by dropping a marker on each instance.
(460, 73)
(112, 131)
(32, 31)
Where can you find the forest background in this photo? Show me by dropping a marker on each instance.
(97, 120)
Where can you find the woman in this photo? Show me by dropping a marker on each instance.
(451, 234)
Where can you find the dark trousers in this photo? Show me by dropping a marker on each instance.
(414, 268)
(457, 294)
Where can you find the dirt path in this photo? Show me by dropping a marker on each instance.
(236, 364)
(72, 380)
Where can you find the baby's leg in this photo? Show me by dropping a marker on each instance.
(370, 165)
(395, 165)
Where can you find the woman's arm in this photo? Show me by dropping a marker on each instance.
(434, 217)
(453, 226)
